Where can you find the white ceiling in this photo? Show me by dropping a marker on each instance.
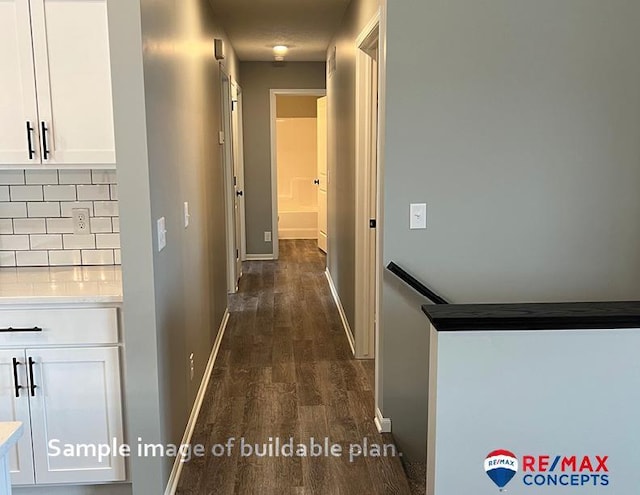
(305, 26)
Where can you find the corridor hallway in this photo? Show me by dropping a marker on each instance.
(285, 370)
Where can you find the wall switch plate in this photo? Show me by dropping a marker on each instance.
(81, 222)
(267, 236)
(418, 219)
(187, 216)
(162, 234)
(221, 137)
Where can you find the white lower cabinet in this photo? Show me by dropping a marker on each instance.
(63, 396)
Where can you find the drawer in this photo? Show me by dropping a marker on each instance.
(59, 326)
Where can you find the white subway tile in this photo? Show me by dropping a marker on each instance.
(65, 258)
(13, 210)
(68, 207)
(116, 224)
(101, 225)
(102, 257)
(4, 193)
(32, 258)
(14, 242)
(9, 177)
(106, 208)
(7, 258)
(60, 193)
(60, 225)
(43, 210)
(74, 241)
(94, 193)
(108, 241)
(104, 176)
(26, 193)
(42, 176)
(6, 226)
(114, 192)
(47, 241)
(29, 226)
(75, 176)
(117, 257)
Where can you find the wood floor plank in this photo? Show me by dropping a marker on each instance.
(285, 371)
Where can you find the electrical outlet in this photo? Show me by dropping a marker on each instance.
(192, 367)
(162, 234)
(187, 215)
(81, 222)
(267, 236)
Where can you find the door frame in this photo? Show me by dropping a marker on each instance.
(367, 267)
(273, 94)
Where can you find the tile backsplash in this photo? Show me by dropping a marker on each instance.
(36, 225)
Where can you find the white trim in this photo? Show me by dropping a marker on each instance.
(273, 93)
(259, 257)
(365, 309)
(382, 129)
(239, 140)
(382, 424)
(174, 478)
(343, 315)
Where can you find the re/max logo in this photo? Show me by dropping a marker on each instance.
(580, 464)
(563, 470)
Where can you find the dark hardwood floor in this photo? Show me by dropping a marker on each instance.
(285, 370)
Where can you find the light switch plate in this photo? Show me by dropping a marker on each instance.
(418, 219)
(162, 234)
(187, 215)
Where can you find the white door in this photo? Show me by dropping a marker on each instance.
(73, 79)
(14, 406)
(18, 111)
(238, 174)
(322, 173)
(76, 401)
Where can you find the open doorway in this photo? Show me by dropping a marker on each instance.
(298, 162)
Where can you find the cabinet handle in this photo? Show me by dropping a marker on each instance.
(11, 329)
(30, 130)
(45, 140)
(32, 385)
(17, 386)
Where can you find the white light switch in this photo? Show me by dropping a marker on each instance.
(187, 215)
(162, 234)
(418, 219)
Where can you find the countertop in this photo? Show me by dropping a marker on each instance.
(10, 432)
(534, 316)
(71, 285)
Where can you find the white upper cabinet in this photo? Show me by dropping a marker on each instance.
(68, 42)
(18, 110)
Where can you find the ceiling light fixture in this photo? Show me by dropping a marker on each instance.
(280, 51)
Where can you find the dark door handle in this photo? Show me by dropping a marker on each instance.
(239, 193)
(16, 384)
(45, 141)
(30, 130)
(11, 329)
(32, 385)
(316, 182)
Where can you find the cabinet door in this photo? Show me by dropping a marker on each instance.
(77, 401)
(14, 408)
(73, 77)
(17, 85)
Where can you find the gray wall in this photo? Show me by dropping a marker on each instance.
(341, 92)
(258, 78)
(518, 123)
(167, 154)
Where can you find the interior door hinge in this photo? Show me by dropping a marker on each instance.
(372, 223)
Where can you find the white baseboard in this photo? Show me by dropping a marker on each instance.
(383, 424)
(174, 478)
(288, 234)
(343, 316)
(259, 257)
